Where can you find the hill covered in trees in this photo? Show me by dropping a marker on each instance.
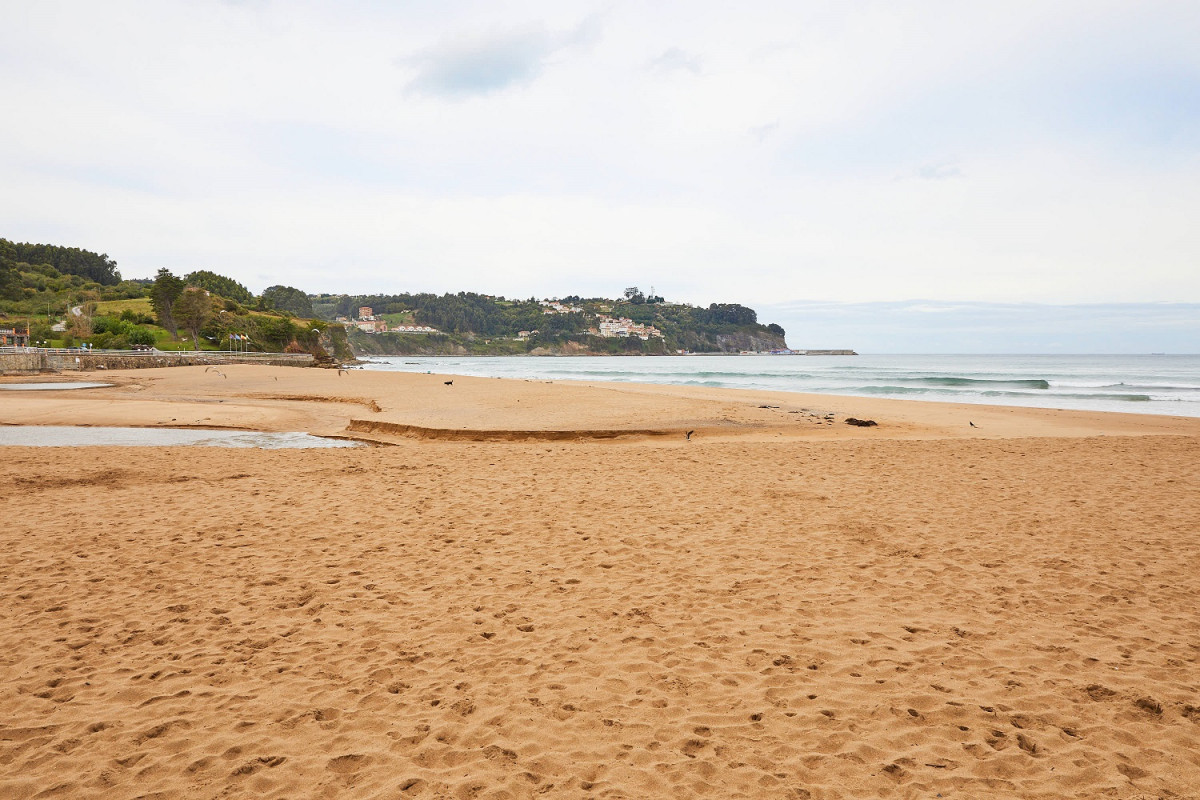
(70, 296)
(95, 267)
(470, 323)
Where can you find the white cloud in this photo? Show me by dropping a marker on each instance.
(673, 59)
(939, 171)
(481, 65)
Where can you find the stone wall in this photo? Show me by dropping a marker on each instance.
(16, 363)
(19, 363)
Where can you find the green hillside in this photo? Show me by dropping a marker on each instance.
(476, 324)
(70, 297)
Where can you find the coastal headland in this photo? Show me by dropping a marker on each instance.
(550, 589)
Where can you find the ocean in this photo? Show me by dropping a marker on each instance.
(1143, 384)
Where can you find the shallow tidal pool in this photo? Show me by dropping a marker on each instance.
(50, 386)
(79, 436)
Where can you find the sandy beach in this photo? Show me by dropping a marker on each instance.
(546, 589)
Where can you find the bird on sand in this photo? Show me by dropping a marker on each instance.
(449, 383)
(972, 424)
(214, 369)
(688, 435)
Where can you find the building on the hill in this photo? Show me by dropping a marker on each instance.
(623, 326)
(555, 307)
(371, 325)
(14, 337)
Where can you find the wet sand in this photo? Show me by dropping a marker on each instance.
(546, 590)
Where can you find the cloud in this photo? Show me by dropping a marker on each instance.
(939, 171)
(673, 59)
(761, 132)
(481, 65)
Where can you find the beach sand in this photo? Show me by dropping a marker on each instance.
(544, 589)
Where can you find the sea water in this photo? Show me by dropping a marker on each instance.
(1145, 384)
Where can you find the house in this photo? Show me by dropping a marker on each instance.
(555, 307)
(626, 327)
(14, 337)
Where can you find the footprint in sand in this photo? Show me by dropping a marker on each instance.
(344, 765)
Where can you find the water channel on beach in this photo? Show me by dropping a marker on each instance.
(98, 436)
(51, 387)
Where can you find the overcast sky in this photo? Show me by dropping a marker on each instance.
(926, 326)
(1001, 152)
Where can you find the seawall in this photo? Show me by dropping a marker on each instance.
(30, 361)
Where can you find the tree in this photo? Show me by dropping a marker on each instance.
(286, 298)
(729, 314)
(192, 309)
(165, 290)
(220, 285)
(68, 260)
(275, 333)
(634, 295)
(776, 329)
(10, 280)
(140, 335)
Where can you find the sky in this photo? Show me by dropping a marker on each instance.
(794, 156)
(925, 326)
